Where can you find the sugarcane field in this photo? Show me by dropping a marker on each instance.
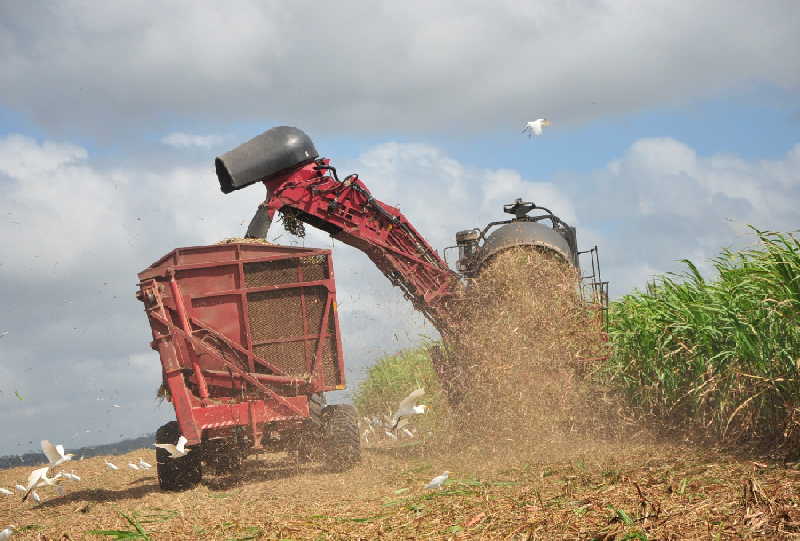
(399, 271)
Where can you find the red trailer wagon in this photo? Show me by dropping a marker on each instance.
(249, 341)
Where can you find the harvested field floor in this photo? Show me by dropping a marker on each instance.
(608, 491)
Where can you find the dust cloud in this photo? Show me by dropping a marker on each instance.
(529, 346)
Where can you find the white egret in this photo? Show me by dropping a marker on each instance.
(438, 481)
(6, 491)
(407, 407)
(20, 488)
(535, 127)
(6, 534)
(111, 466)
(143, 464)
(175, 451)
(72, 477)
(55, 453)
(38, 478)
(36, 497)
(133, 466)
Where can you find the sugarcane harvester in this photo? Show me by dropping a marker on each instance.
(307, 189)
(248, 332)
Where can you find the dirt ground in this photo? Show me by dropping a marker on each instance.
(568, 490)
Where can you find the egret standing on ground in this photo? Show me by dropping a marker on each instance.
(111, 466)
(6, 491)
(6, 534)
(438, 481)
(535, 127)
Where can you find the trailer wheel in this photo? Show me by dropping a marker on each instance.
(224, 456)
(176, 473)
(342, 442)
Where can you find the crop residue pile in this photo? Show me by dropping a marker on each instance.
(524, 337)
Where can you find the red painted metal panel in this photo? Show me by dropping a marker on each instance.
(223, 313)
(238, 414)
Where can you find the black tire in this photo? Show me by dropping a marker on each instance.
(342, 443)
(176, 473)
(224, 456)
(303, 449)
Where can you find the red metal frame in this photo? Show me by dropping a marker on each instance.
(196, 300)
(347, 210)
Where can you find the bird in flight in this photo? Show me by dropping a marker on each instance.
(55, 453)
(408, 407)
(535, 127)
(38, 478)
(175, 451)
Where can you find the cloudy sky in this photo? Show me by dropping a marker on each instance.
(675, 124)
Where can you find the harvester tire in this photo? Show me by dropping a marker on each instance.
(176, 473)
(342, 442)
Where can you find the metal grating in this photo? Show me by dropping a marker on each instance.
(288, 356)
(270, 273)
(329, 365)
(315, 267)
(316, 297)
(284, 271)
(329, 368)
(279, 315)
(275, 314)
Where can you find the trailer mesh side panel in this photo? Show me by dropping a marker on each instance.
(314, 267)
(285, 271)
(270, 273)
(276, 317)
(288, 356)
(275, 314)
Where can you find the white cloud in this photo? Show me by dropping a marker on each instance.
(188, 140)
(414, 66)
(21, 157)
(661, 202)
